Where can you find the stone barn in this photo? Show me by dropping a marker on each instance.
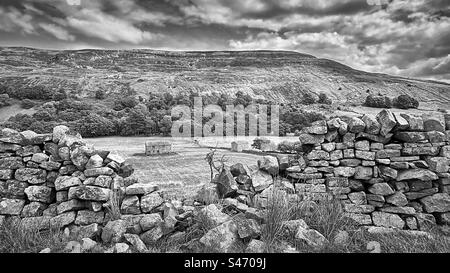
(157, 147)
(239, 146)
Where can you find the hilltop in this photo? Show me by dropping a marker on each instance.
(282, 76)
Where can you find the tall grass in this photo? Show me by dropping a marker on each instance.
(16, 238)
(113, 206)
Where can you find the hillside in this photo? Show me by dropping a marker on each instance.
(277, 75)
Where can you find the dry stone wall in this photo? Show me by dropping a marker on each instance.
(389, 170)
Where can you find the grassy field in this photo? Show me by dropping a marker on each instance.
(179, 174)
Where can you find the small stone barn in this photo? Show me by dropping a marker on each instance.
(239, 146)
(157, 147)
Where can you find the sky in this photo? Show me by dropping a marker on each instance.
(409, 38)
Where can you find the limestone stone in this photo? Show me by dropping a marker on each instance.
(90, 193)
(151, 201)
(114, 231)
(372, 125)
(130, 205)
(416, 174)
(384, 219)
(381, 189)
(387, 121)
(439, 202)
(42, 194)
(269, 164)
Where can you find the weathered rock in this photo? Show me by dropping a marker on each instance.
(311, 139)
(207, 194)
(91, 193)
(439, 202)
(397, 199)
(226, 185)
(372, 125)
(352, 208)
(151, 201)
(87, 217)
(411, 137)
(365, 155)
(150, 221)
(358, 198)
(94, 161)
(141, 189)
(381, 189)
(399, 210)
(223, 238)
(311, 237)
(12, 163)
(436, 137)
(39, 158)
(387, 122)
(318, 155)
(402, 123)
(42, 194)
(247, 228)
(415, 123)
(98, 171)
(317, 128)
(261, 180)
(356, 125)
(113, 156)
(438, 164)
(416, 174)
(213, 215)
(11, 206)
(344, 171)
(63, 219)
(113, 231)
(387, 220)
(130, 205)
(33, 209)
(136, 242)
(360, 219)
(363, 173)
(65, 182)
(388, 172)
(238, 169)
(153, 235)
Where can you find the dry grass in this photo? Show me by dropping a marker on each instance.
(113, 206)
(179, 175)
(15, 238)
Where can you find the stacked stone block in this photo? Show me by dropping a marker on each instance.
(56, 180)
(389, 170)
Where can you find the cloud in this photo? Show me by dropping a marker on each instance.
(107, 27)
(12, 20)
(403, 37)
(59, 32)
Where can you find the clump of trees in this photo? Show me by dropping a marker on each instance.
(378, 101)
(290, 147)
(324, 99)
(405, 102)
(5, 100)
(402, 102)
(27, 104)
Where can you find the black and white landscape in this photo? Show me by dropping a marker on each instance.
(356, 158)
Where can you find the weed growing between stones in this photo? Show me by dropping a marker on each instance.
(17, 238)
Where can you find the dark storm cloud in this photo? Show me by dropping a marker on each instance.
(410, 38)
